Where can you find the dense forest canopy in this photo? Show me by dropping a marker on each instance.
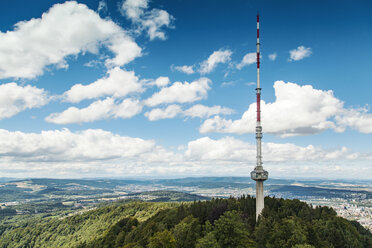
(220, 223)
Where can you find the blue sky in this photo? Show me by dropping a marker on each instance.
(167, 88)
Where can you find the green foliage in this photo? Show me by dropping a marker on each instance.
(187, 232)
(288, 232)
(115, 235)
(218, 223)
(170, 196)
(339, 232)
(80, 230)
(132, 245)
(303, 246)
(231, 232)
(208, 241)
(164, 239)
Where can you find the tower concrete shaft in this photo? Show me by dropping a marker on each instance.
(259, 174)
(259, 198)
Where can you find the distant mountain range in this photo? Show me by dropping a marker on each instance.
(75, 189)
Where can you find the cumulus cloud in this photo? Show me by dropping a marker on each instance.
(230, 149)
(66, 29)
(299, 53)
(198, 110)
(134, 9)
(248, 59)
(203, 111)
(124, 48)
(217, 57)
(92, 152)
(98, 110)
(181, 92)
(188, 69)
(169, 112)
(307, 111)
(117, 83)
(273, 56)
(358, 119)
(15, 98)
(226, 149)
(297, 110)
(79, 152)
(57, 145)
(161, 82)
(152, 21)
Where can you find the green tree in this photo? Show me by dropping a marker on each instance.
(340, 233)
(303, 246)
(208, 241)
(187, 232)
(263, 230)
(231, 232)
(287, 233)
(132, 245)
(163, 239)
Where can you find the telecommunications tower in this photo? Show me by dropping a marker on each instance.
(259, 174)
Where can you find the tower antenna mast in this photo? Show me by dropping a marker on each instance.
(259, 174)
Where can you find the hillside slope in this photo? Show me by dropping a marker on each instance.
(55, 231)
(221, 223)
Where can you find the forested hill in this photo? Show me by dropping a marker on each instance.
(219, 223)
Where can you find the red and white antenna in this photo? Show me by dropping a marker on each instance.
(258, 71)
(259, 174)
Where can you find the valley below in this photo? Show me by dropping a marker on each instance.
(63, 197)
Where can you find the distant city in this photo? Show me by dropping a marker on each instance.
(350, 199)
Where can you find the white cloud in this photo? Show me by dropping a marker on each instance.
(170, 112)
(217, 57)
(230, 149)
(151, 21)
(273, 56)
(358, 119)
(98, 110)
(299, 53)
(202, 111)
(66, 29)
(225, 149)
(92, 152)
(181, 92)
(127, 109)
(117, 83)
(154, 21)
(65, 145)
(96, 152)
(188, 69)
(134, 9)
(15, 98)
(248, 59)
(199, 110)
(161, 82)
(124, 48)
(93, 63)
(297, 110)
